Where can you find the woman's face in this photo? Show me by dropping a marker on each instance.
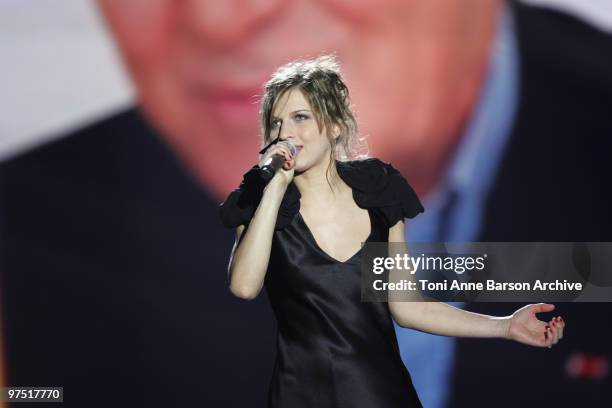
(293, 115)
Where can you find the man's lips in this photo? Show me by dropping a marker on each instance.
(233, 99)
(229, 95)
(232, 107)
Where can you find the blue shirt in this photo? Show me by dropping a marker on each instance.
(468, 180)
(477, 156)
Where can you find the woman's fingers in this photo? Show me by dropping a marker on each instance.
(561, 325)
(274, 150)
(543, 307)
(284, 150)
(554, 331)
(548, 337)
(288, 164)
(288, 159)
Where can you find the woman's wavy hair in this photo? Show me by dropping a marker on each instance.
(321, 82)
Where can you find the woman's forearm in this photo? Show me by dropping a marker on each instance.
(446, 320)
(435, 317)
(251, 252)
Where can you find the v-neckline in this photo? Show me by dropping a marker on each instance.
(318, 247)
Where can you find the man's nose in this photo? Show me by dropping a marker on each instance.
(225, 23)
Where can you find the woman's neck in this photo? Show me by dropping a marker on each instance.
(314, 184)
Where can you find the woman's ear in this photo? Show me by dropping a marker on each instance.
(337, 132)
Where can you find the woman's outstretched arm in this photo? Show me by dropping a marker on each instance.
(443, 319)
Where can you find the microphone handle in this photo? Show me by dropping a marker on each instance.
(271, 166)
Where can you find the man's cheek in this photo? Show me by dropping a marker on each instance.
(144, 29)
(365, 11)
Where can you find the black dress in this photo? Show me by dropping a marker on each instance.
(333, 349)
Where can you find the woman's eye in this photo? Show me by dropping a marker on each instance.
(274, 124)
(300, 117)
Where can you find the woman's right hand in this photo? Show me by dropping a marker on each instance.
(285, 174)
(251, 252)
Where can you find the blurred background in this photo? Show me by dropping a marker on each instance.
(51, 51)
(118, 119)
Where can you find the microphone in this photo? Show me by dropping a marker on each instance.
(271, 166)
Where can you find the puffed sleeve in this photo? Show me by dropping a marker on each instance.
(239, 207)
(377, 184)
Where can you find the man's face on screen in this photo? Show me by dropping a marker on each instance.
(199, 65)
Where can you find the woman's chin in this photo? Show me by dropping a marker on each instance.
(299, 168)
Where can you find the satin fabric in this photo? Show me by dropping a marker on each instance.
(333, 350)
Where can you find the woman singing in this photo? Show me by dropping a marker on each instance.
(300, 235)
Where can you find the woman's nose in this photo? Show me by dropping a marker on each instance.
(226, 23)
(286, 133)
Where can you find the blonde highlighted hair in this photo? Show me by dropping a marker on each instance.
(320, 80)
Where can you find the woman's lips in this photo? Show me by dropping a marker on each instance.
(297, 148)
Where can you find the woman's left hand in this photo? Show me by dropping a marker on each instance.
(525, 327)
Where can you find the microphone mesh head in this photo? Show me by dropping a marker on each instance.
(290, 146)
